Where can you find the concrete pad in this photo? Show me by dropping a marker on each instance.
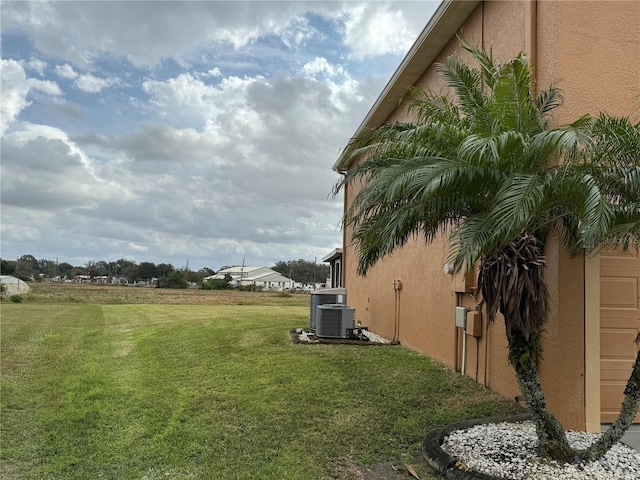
(631, 437)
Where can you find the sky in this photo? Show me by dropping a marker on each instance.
(173, 132)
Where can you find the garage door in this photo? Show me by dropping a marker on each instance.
(619, 326)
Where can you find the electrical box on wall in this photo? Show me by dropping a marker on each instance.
(459, 283)
(465, 283)
(474, 324)
(461, 317)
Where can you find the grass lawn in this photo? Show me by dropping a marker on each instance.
(210, 391)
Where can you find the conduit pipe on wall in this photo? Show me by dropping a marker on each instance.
(464, 351)
(531, 38)
(456, 348)
(486, 351)
(397, 286)
(486, 323)
(477, 357)
(344, 236)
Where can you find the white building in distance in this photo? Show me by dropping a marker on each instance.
(259, 276)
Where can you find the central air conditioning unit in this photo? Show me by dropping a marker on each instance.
(322, 297)
(335, 320)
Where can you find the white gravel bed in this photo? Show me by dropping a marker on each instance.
(506, 450)
(373, 337)
(303, 336)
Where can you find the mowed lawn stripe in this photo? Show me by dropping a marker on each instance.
(201, 391)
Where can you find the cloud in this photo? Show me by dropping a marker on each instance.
(66, 71)
(86, 82)
(89, 83)
(46, 86)
(42, 169)
(210, 132)
(373, 29)
(36, 65)
(14, 91)
(137, 248)
(186, 96)
(81, 31)
(15, 88)
(214, 72)
(259, 151)
(320, 65)
(255, 148)
(160, 142)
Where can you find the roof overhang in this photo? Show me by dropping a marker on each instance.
(335, 254)
(442, 26)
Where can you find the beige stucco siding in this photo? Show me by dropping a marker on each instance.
(562, 370)
(591, 50)
(425, 289)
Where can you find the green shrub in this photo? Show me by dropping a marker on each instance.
(175, 279)
(16, 298)
(217, 283)
(249, 288)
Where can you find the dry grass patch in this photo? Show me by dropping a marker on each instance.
(49, 292)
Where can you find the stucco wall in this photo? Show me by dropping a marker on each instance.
(591, 50)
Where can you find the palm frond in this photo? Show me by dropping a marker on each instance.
(547, 101)
(517, 204)
(508, 150)
(483, 165)
(470, 240)
(469, 90)
(511, 99)
(487, 67)
(563, 141)
(430, 107)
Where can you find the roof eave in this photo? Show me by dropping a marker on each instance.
(444, 23)
(335, 253)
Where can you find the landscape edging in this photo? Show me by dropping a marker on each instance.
(449, 466)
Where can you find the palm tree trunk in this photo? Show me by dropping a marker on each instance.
(551, 435)
(627, 414)
(553, 443)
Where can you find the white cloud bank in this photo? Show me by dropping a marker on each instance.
(176, 156)
(15, 89)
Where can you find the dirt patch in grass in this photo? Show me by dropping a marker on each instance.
(379, 471)
(386, 471)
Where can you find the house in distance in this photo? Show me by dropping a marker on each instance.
(262, 277)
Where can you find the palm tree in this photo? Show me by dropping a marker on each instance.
(485, 169)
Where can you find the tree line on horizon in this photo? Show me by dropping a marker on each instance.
(29, 268)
